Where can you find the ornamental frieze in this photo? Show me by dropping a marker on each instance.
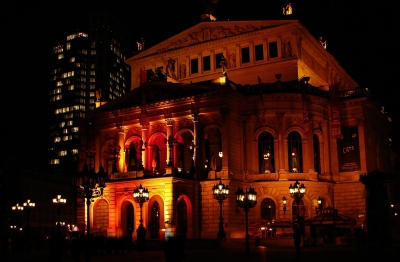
(134, 131)
(316, 125)
(112, 134)
(263, 121)
(211, 119)
(185, 123)
(293, 121)
(159, 127)
(207, 33)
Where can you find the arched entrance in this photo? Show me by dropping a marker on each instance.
(182, 223)
(127, 218)
(154, 224)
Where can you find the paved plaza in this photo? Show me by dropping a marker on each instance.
(233, 251)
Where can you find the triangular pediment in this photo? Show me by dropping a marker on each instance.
(210, 31)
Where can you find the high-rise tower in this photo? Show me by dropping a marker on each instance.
(88, 70)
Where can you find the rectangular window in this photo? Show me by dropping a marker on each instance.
(206, 63)
(68, 47)
(273, 49)
(194, 66)
(259, 50)
(60, 56)
(245, 55)
(218, 58)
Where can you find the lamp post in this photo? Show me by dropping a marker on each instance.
(319, 208)
(17, 208)
(246, 200)
(284, 200)
(89, 184)
(220, 193)
(141, 195)
(59, 202)
(297, 192)
(28, 206)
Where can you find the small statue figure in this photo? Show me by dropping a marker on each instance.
(223, 64)
(288, 9)
(141, 44)
(171, 68)
(323, 43)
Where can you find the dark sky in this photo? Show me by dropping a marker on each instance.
(362, 36)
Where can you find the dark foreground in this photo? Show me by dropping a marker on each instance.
(232, 251)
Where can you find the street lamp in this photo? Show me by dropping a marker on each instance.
(297, 192)
(89, 184)
(28, 206)
(284, 204)
(246, 200)
(59, 202)
(141, 195)
(319, 208)
(220, 193)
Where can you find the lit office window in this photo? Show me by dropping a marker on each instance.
(65, 138)
(70, 123)
(55, 162)
(72, 59)
(59, 83)
(62, 124)
(75, 129)
(60, 56)
(74, 151)
(68, 46)
(57, 139)
(62, 153)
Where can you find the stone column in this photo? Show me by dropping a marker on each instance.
(325, 149)
(225, 140)
(281, 150)
(121, 143)
(144, 138)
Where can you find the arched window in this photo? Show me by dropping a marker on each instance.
(317, 151)
(266, 153)
(268, 211)
(295, 154)
(182, 219)
(132, 162)
(154, 224)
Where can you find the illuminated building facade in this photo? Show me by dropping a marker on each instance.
(88, 69)
(254, 103)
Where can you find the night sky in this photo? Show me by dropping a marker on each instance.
(361, 35)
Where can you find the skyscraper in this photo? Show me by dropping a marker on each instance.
(88, 69)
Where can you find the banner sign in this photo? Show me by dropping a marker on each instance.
(306, 125)
(335, 113)
(349, 150)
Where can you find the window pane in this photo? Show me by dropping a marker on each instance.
(218, 58)
(194, 66)
(259, 52)
(245, 55)
(295, 153)
(266, 153)
(206, 63)
(273, 49)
